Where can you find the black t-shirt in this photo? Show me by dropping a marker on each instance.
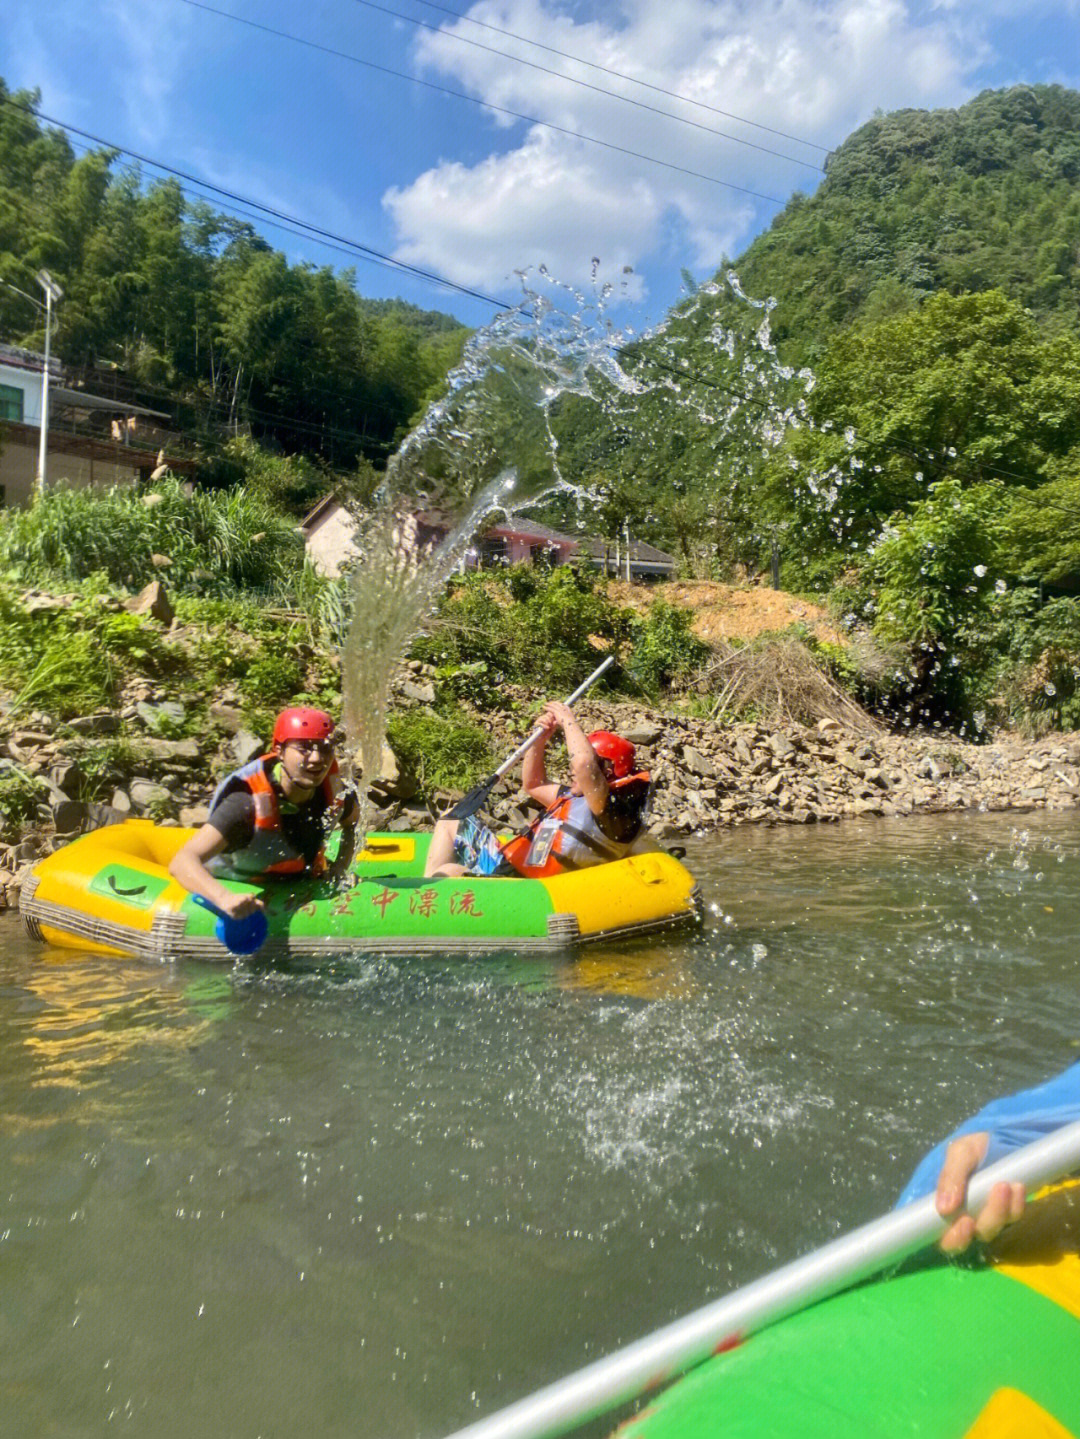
(305, 826)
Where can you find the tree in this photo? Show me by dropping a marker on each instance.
(965, 387)
(926, 585)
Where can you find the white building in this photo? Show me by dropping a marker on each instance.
(20, 384)
(329, 532)
(92, 440)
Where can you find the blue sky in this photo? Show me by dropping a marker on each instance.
(475, 195)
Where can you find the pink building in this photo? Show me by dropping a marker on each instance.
(329, 532)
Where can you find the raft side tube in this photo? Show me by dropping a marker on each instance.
(110, 891)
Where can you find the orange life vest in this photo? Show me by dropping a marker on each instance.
(567, 835)
(270, 852)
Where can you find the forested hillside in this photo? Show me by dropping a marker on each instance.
(925, 476)
(986, 196)
(199, 312)
(925, 472)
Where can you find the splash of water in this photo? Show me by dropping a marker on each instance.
(491, 446)
(487, 447)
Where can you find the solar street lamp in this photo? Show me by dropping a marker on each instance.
(53, 294)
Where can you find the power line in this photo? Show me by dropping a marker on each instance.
(616, 74)
(583, 84)
(484, 104)
(363, 251)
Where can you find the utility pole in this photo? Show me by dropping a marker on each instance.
(53, 294)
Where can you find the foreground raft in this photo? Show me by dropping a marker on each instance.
(111, 892)
(966, 1350)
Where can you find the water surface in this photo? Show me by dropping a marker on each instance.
(375, 1198)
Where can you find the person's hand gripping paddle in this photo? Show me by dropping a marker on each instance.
(478, 796)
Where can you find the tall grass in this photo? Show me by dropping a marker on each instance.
(216, 542)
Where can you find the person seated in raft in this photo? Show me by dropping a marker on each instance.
(270, 818)
(1003, 1125)
(599, 817)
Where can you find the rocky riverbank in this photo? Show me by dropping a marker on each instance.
(708, 776)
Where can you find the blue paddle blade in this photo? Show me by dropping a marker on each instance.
(242, 936)
(239, 936)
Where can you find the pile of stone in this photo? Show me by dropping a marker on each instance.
(710, 776)
(707, 776)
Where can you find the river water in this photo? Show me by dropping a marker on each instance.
(377, 1198)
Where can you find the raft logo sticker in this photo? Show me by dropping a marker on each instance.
(465, 904)
(130, 886)
(426, 902)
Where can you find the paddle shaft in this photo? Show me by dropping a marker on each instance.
(666, 1353)
(476, 797)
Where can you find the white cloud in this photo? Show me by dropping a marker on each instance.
(810, 69)
(544, 203)
(157, 53)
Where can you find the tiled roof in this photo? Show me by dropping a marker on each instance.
(640, 551)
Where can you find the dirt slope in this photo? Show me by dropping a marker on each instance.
(727, 611)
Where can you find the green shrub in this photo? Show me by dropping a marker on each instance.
(526, 625)
(272, 678)
(74, 656)
(215, 541)
(473, 682)
(72, 675)
(665, 649)
(1036, 684)
(927, 588)
(443, 752)
(105, 763)
(20, 794)
(466, 626)
(136, 644)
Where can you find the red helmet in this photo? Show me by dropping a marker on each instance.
(619, 751)
(302, 724)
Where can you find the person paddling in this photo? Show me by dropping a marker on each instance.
(599, 817)
(269, 819)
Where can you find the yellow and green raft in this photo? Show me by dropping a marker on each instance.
(941, 1351)
(110, 892)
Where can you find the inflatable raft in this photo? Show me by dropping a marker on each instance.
(111, 892)
(943, 1351)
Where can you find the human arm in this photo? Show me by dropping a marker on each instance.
(534, 775)
(188, 866)
(584, 766)
(1003, 1125)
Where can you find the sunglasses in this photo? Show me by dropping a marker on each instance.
(324, 747)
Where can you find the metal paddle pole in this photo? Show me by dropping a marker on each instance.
(476, 797)
(665, 1354)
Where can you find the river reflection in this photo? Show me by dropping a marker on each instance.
(366, 1198)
